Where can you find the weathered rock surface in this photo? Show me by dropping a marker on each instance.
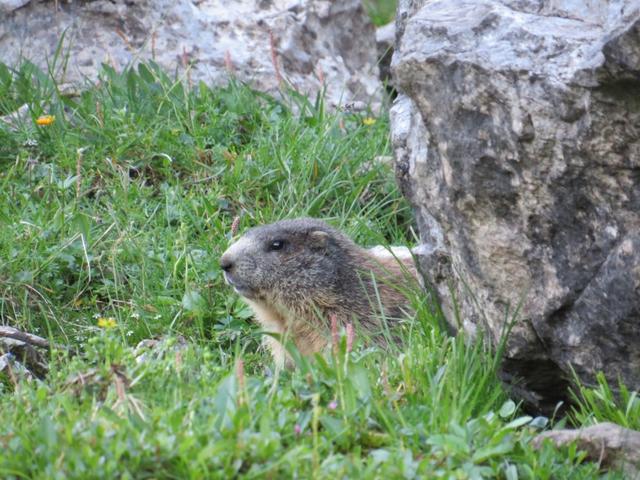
(607, 443)
(22, 353)
(517, 141)
(311, 42)
(7, 6)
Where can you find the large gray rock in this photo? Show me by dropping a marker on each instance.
(311, 42)
(7, 6)
(517, 141)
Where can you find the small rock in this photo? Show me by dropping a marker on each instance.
(384, 161)
(13, 368)
(608, 444)
(156, 348)
(23, 352)
(14, 119)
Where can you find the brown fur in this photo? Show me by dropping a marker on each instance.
(316, 273)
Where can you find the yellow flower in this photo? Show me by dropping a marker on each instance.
(368, 121)
(45, 120)
(107, 322)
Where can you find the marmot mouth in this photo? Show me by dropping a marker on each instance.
(243, 292)
(240, 289)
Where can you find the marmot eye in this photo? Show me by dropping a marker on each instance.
(276, 245)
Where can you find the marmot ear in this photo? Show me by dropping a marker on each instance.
(318, 240)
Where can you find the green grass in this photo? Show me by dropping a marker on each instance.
(120, 209)
(381, 12)
(603, 403)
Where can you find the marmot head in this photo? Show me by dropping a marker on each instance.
(289, 261)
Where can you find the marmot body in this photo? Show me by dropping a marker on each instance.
(297, 274)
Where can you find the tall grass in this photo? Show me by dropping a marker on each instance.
(601, 402)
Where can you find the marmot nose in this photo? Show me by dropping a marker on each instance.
(225, 263)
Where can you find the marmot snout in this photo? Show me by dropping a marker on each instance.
(297, 274)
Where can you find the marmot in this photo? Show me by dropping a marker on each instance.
(297, 274)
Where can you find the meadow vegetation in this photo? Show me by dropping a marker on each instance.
(113, 215)
(381, 12)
